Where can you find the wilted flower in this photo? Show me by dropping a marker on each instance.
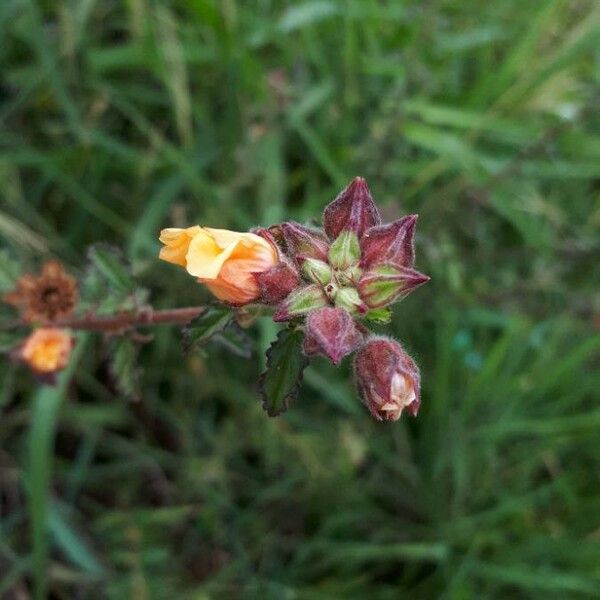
(226, 261)
(47, 297)
(387, 379)
(47, 350)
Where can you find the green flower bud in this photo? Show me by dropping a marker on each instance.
(348, 299)
(351, 276)
(300, 302)
(387, 283)
(345, 251)
(316, 271)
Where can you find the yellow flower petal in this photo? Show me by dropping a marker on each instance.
(205, 258)
(176, 242)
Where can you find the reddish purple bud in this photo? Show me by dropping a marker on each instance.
(331, 332)
(305, 241)
(279, 281)
(352, 210)
(387, 379)
(300, 302)
(392, 243)
(386, 283)
(267, 234)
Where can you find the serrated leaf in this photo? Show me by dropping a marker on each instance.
(379, 315)
(108, 285)
(124, 366)
(111, 265)
(235, 340)
(200, 330)
(280, 383)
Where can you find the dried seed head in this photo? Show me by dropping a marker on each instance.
(45, 298)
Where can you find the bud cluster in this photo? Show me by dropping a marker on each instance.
(333, 278)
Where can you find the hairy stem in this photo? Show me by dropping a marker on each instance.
(126, 320)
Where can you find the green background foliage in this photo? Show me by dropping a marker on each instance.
(119, 117)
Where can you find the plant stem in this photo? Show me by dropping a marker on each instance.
(125, 320)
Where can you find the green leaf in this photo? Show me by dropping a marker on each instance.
(46, 405)
(70, 540)
(108, 284)
(9, 271)
(124, 366)
(280, 383)
(234, 339)
(111, 265)
(201, 329)
(298, 17)
(10, 339)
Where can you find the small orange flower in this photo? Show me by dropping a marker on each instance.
(225, 261)
(47, 350)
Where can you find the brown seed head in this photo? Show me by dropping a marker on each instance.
(44, 298)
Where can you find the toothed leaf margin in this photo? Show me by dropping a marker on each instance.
(280, 383)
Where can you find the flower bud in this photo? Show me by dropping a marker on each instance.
(300, 302)
(348, 299)
(316, 270)
(387, 283)
(387, 379)
(345, 251)
(331, 332)
(279, 281)
(305, 241)
(47, 350)
(350, 276)
(353, 210)
(392, 243)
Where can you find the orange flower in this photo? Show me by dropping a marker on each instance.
(225, 261)
(47, 350)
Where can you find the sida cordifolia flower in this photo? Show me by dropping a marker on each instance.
(327, 283)
(47, 350)
(225, 261)
(387, 379)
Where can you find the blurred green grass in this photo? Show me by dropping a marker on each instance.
(120, 117)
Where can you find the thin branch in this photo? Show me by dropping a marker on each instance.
(126, 320)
